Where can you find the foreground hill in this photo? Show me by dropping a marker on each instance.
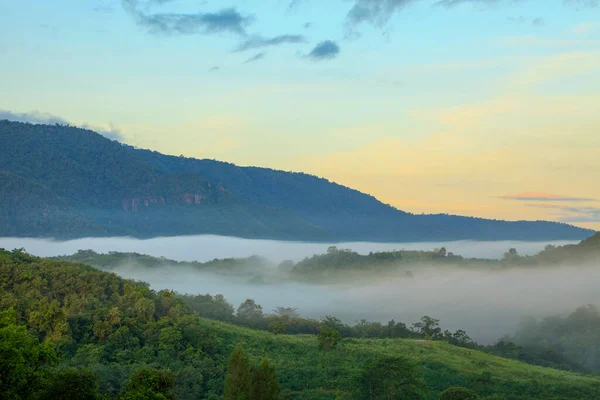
(97, 326)
(308, 373)
(66, 182)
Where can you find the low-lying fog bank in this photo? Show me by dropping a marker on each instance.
(209, 247)
(487, 304)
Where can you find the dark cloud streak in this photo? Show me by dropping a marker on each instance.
(256, 57)
(227, 20)
(544, 197)
(375, 12)
(325, 50)
(257, 42)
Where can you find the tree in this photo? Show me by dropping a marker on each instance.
(390, 378)
(428, 327)
(332, 249)
(511, 255)
(289, 311)
(238, 382)
(264, 382)
(250, 314)
(328, 337)
(72, 384)
(442, 252)
(458, 393)
(150, 384)
(21, 358)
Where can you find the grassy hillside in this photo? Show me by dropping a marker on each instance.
(308, 373)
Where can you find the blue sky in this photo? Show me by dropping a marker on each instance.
(433, 106)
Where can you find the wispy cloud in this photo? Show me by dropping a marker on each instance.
(294, 4)
(256, 57)
(213, 69)
(227, 20)
(256, 42)
(379, 12)
(543, 197)
(325, 50)
(571, 214)
(37, 117)
(375, 12)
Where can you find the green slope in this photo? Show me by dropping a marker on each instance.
(308, 373)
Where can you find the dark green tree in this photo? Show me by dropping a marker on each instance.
(250, 314)
(264, 382)
(391, 378)
(21, 358)
(72, 384)
(238, 383)
(150, 384)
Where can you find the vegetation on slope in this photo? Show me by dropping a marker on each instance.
(78, 326)
(338, 265)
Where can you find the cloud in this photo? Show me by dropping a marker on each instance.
(227, 20)
(256, 57)
(570, 214)
(294, 4)
(379, 12)
(215, 68)
(543, 197)
(33, 117)
(256, 42)
(37, 117)
(374, 12)
(325, 50)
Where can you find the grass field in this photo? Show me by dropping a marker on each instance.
(305, 372)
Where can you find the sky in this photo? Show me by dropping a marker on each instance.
(487, 108)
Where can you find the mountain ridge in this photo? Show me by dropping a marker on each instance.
(103, 187)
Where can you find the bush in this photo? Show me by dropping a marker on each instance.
(328, 338)
(458, 393)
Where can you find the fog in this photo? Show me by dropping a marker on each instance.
(209, 247)
(486, 303)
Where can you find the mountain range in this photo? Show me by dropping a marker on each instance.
(67, 182)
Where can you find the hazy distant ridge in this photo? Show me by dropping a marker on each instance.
(68, 182)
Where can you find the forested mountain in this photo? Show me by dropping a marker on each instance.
(62, 181)
(68, 331)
